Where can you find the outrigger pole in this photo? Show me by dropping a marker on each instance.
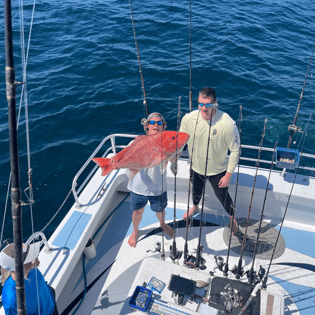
(239, 267)
(226, 265)
(175, 254)
(190, 91)
(264, 281)
(14, 157)
(251, 271)
(140, 70)
(293, 128)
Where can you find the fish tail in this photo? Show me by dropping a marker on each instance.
(104, 164)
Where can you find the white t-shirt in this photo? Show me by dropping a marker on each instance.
(148, 182)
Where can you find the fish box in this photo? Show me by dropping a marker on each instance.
(141, 298)
(287, 158)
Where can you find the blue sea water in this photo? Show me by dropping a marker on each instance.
(83, 79)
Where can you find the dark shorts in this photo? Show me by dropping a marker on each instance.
(198, 182)
(157, 203)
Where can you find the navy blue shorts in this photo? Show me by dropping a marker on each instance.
(157, 203)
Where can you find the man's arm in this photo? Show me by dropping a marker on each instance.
(233, 143)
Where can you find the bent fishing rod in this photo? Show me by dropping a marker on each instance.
(293, 128)
(239, 267)
(175, 254)
(264, 281)
(251, 271)
(189, 187)
(140, 69)
(240, 120)
(199, 247)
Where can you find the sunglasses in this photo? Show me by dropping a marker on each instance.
(153, 122)
(207, 105)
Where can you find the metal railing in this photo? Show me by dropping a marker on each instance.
(113, 147)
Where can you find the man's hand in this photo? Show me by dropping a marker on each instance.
(225, 180)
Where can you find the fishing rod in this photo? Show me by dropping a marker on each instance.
(175, 254)
(251, 271)
(240, 120)
(14, 156)
(190, 91)
(293, 128)
(189, 186)
(199, 247)
(239, 267)
(264, 281)
(163, 212)
(140, 70)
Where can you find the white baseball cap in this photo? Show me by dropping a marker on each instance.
(30, 253)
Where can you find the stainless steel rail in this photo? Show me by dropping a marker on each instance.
(113, 147)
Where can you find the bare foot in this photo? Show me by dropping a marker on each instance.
(191, 212)
(133, 239)
(168, 230)
(235, 227)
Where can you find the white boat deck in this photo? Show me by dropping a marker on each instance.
(111, 274)
(105, 217)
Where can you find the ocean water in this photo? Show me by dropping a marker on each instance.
(83, 80)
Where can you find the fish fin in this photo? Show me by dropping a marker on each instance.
(104, 164)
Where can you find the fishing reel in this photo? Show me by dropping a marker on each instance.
(157, 248)
(174, 253)
(255, 278)
(234, 271)
(219, 260)
(191, 262)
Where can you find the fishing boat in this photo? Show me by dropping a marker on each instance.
(266, 268)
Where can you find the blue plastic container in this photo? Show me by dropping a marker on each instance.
(141, 298)
(287, 158)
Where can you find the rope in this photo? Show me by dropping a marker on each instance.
(44, 228)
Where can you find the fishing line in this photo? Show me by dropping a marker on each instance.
(251, 271)
(140, 69)
(188, 222)
(264, 281)
(293, 128)
(199, 247)
(190, 91)
(174, 254)
(239, 122)
(239, 267)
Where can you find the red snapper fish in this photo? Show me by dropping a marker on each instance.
(145, 152)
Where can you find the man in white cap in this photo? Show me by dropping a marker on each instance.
(39, 296)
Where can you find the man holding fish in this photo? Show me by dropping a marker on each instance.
(149, 185)
(143, 158)
(222, 136)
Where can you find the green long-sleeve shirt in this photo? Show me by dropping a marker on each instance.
(224, 137)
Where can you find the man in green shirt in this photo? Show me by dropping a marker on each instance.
(223, 137)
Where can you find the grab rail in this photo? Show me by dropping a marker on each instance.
(113, 148)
